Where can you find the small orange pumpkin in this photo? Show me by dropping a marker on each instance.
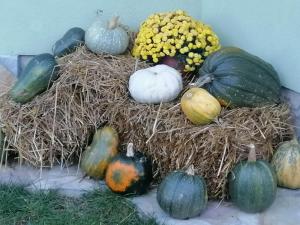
(99, 154)
(129, 173)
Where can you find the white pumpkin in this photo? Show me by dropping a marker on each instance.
(160, 83)
(108, 37)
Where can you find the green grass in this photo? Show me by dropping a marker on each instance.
(20, 207)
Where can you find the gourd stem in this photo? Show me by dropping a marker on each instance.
(191, 170)
(113, 23)
(252, 153)
(205, 79)
(130, 151)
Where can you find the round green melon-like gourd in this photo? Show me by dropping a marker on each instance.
(129, 173)
(252, 184)
(99, 154)
(109, 37)
(73, 38)
(237, 78)
(182, 194)
(37, 76)
(286, 161)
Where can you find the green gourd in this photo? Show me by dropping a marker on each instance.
(37, 76)
(99, 154)
(73, 38)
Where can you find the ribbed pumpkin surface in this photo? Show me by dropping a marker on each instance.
(252, 186)
(237, 78)
(181, 195)
(286, 162)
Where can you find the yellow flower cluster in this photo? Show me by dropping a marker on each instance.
(173, 33)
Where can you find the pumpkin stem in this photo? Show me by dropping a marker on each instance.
(113, 23)
(191, 170)
(252, 153)
(130, 151)
(207, 78)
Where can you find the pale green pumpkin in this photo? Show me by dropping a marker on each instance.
(107, 37)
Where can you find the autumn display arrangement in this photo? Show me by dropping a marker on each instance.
(167, 106)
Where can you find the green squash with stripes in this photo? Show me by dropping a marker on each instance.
(237, 78)
(38, 75)
(252, 184)
(182, 195)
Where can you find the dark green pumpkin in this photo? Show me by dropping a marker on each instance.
(68, 43)
(182, 194)
(40, 72)
(98, 155)
(252, 184)
(237, 78)
(129, 173)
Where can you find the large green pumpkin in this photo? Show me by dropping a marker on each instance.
(99, 154)
(286, 162)
(237, 78)
(182, 194)
(37, 76)
(252, 184)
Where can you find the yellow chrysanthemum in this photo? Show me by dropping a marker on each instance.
(173, 33)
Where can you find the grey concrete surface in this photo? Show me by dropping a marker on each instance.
(69, 181)
(284, 211)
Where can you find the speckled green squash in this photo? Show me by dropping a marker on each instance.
(39, 74)
(286, 162)
(99, 154)
(182, 194)
(237, 78)
(252, 185)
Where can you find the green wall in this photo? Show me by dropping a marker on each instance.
(269, 28)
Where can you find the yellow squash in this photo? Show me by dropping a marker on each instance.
(199, 106)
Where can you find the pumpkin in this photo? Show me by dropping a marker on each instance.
(73, 38)
(99, 154)
(108, 37)
(286, 162)
(199, 106)
(129, 173)
(252, 184)
(182, 194)
(237, 78)
(156, 84)
(37, 76)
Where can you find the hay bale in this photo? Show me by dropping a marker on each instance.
(92, 90)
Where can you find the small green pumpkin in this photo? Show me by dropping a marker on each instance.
(73, 38)
(99, 154)
(129, 173)
(237, 78)
(182, 194)
(286, 162)
(108, 37)
(37, 76)
(252, 184)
